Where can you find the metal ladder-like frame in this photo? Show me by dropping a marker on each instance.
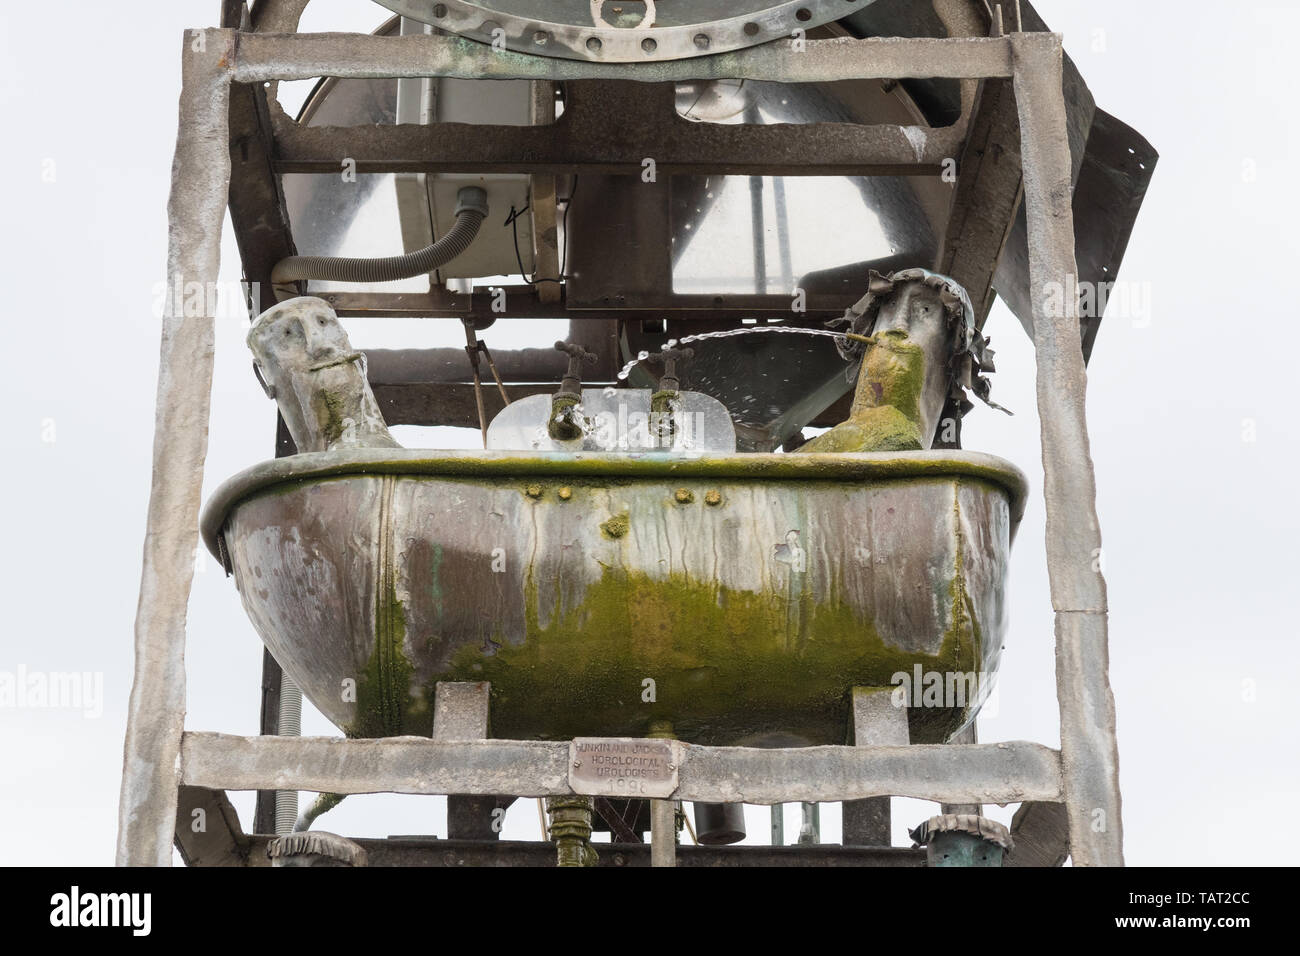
(160, 755)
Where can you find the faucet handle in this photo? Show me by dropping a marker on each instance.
(670, 357)
(572, 382)
(576, 354)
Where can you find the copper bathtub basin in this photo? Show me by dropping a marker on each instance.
(738, 597)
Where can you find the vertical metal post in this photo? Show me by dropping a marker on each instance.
(663, 833)
(195, 212)
(1089, 756)
(877, 722)
(968, 735)
(810, 830)
(778, 824)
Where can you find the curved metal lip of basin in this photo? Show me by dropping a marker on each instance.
(699, 694)
(864, 466)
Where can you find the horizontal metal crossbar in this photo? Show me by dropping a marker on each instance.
(301, 56)
(973, 773)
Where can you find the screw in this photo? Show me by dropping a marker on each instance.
(577, 764)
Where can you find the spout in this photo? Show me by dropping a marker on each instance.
(564, 423)
(664, 403)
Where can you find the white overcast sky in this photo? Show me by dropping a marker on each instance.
(1194, 438)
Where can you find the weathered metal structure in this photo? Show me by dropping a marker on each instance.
(992, 166)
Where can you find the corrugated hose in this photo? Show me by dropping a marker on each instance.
(471, 210)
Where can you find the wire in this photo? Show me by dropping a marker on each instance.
(513, 222)
(568, 204)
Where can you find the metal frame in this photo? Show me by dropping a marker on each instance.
(160, 755)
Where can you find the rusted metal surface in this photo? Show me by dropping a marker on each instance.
(258, 212)
(987, 197)
(537, 592)
(984, 773)
(523, 303)
(196, 210)
(408, 851)
(681, 148)
(1089, 754)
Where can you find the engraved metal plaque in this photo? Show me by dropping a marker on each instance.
(623, 767)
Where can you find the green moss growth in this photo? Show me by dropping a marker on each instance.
(723, 663)
(873, 429)
(329, 412)
(385, 705)
(563, 424)
(616, 527)
(886, 410)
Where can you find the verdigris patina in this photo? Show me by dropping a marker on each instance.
(306, 363)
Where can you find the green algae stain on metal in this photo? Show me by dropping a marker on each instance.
(435, 581)
(385, 705)
(718, 658)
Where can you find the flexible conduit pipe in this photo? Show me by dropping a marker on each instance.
(286, 801)
(471, 210)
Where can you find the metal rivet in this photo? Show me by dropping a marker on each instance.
(541, 37)
(594, 44)
(713, 497)
(649, 45)
(533, 491)
(702, 41)
(565, 493)
(751, 29)
(439, 10)
(684, 495)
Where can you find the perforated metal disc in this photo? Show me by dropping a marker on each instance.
(624, 31)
